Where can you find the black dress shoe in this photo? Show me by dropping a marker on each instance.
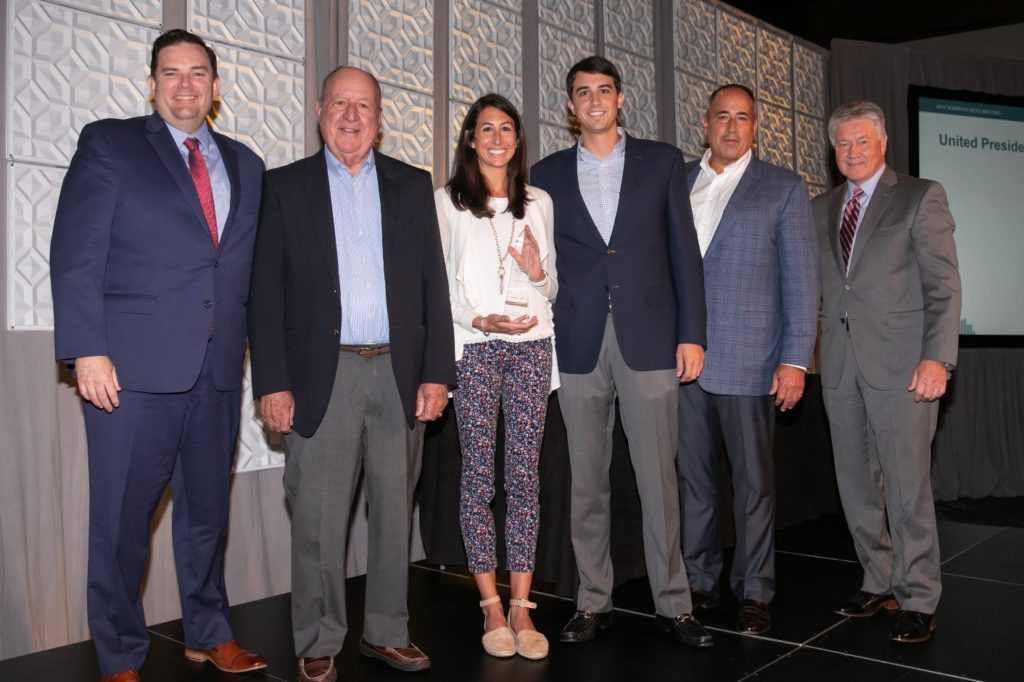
(913, 627)
(754, 617)
(585, 626)
(686, 629)
(703, 601)
(865, 604)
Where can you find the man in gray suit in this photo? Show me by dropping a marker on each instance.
(889, 333)
(762, 288)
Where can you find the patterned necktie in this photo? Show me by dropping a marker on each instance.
(201, 178)
(849, 226)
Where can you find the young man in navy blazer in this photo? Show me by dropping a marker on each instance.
(150, 260)
(629, 319)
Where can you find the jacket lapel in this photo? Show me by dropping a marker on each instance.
(230, 159)
(740, 196)
(390, 198)
(571, 174)
(876, 207)
(632, 177)
(163, 144)
(835, 210)
(318, 198)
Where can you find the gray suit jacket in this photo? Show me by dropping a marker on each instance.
(761, 282)
(901, 298)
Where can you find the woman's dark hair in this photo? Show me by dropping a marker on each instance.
(466, 186)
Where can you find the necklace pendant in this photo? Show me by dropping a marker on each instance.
(501, 272)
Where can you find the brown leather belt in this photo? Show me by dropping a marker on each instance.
(365, 351)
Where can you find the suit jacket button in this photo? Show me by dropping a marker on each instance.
(609, 252)
(847, 287)
(335, 332)
(207, 303)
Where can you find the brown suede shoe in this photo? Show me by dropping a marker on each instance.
(317, 669)
(407, 658)
(123, 676)
(229, 657)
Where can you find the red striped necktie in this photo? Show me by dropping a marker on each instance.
(201, 178)
(849, 226)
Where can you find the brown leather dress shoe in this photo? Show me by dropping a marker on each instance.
(317, 669)
(703, 601)
(913, 627)
(123, 676)
(407, 658)
(229, 657)
(754, 617)
(865, 604)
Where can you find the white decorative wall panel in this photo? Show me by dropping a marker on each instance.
(559, 50)
(486, 51)
(408, 126)
(262, 103)
(394, 40)
(629, 24)
(695, 38)
(640, 112)
(145, 11)
(31, 203)
(278, 27)
(570, 15)
(554, 138)
(67, 68)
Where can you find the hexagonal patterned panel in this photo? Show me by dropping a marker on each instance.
(691, 103)
(774, 64)
(640, 112)
(486, 51)
(775, 135)
(695, 37)
(559, 50)
(278, 27)
(32, 193)
(457, 111)
(408, 126)
(737, 45)
(262, 103)
(68, 68)
(256, 448)
(569, 15)
(554, 138)
(813, 149)
(394, 40)
(145, 11)
(809, 72)
(629, 25)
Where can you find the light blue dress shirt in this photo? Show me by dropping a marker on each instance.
(600, 181)
(355, 205)
(219, 181)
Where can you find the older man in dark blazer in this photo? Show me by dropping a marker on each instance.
(629, 319)
(352, 350)
(150, 260)
(755, 232)
(889, 332)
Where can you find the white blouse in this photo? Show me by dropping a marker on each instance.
(472, 260)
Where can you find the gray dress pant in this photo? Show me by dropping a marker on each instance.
(647, 405)
(363, 431)
(881, 441)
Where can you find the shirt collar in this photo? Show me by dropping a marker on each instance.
(336, 166)
(618, 151)
(868, 186)
(737, 166)
(204, 135)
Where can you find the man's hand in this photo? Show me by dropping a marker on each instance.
(689, 362)
(97, 381)
(277, 410)
(929, 381)
(430, 401)
(787, 386)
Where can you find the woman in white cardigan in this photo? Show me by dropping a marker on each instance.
(499, 250)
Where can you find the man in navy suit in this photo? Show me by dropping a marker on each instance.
(755, 232)
(150, 261)
(629, 319)
(352, 352)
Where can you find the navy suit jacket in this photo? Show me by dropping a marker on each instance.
(296, 311)
(134, 271)
(651, 268)
(762, 282)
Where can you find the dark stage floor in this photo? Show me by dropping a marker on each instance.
(979, 635)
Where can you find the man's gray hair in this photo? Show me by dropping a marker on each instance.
(338, 69)
(854, 110)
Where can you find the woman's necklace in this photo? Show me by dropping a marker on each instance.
(497, 245)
